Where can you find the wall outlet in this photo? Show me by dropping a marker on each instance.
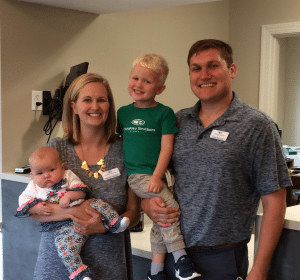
(37, 96)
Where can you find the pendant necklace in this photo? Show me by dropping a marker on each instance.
(101, 163)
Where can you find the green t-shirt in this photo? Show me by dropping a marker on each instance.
(142, 129)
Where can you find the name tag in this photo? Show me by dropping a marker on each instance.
(111, 174)
(219, 135)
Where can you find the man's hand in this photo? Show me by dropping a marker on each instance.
(157, 211)
(155, 185)
(256, 275)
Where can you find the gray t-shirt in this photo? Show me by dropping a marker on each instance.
(108, 255)
(218, 183)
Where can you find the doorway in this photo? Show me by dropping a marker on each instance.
(275, 43)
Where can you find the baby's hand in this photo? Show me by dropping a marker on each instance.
(64, 202)
(155, 185)
(41, 209)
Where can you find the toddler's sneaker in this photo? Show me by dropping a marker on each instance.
(184, 269)
(159, 276)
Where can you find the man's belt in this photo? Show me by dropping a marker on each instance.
(224, 246)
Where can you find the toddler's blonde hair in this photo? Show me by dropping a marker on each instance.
(154, 62)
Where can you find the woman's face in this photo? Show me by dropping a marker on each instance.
(92, 105)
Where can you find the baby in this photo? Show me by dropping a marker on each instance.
(50, 182)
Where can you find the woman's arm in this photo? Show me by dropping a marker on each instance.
(41, 209)
(60, 214)
(133, 208)
(95, 225)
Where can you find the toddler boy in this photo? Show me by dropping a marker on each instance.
(148, 129)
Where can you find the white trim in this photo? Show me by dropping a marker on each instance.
(20, 178)
(269, 64)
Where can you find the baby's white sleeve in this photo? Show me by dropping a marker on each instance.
(29, 193)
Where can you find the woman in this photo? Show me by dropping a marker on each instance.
(90, 148)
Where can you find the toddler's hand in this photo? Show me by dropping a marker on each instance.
(155, 185)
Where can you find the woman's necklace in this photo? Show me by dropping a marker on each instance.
(101, 163)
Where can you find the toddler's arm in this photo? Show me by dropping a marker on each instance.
(69, 196)
(155, 184)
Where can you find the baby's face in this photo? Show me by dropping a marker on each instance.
(47, 172)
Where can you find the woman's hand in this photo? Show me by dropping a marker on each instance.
(41, 208)
(157, 211)
(88, 226)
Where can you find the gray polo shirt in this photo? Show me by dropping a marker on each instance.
(219, 182)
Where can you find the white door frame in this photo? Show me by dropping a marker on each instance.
(269, 64)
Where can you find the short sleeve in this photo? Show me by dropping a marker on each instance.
(170, 125)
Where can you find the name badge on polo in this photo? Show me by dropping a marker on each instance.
(111, 174)
(219, 135)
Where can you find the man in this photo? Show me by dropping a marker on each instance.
(227, 156)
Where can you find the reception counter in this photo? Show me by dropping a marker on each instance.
(21, 239)
(285, 264)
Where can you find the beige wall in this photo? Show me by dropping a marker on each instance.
(39, 44)
(246, 19)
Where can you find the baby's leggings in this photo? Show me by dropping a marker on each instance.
(69, 243)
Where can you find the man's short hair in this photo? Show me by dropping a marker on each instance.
(202, 45)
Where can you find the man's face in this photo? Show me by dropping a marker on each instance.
(210, 78)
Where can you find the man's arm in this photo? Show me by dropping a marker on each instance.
(155, 184)
(274, 206)
(156, 210)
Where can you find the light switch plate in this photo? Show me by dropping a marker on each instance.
(37, 96)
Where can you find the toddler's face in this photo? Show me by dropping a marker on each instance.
(47, 172)
(144, 84)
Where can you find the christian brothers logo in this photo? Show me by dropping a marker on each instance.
(138, 123)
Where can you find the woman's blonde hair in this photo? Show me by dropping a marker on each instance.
(71, 121)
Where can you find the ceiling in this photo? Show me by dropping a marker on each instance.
(114, 6)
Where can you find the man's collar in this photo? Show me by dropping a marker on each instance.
(229, 114)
